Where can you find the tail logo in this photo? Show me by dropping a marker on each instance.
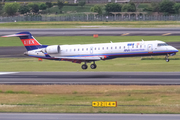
(29, 42)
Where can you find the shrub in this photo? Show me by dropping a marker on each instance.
(113, 7)
(24, 9)
(11, 8)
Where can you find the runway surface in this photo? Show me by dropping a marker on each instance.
(91, 78)
(48, 116)
(100, 31)
(18, 51)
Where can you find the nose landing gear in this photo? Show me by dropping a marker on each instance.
(167, 59)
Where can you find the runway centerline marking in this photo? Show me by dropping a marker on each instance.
(125, 34)
(166, 34)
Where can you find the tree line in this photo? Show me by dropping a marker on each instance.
(12, 8)
(165, 6)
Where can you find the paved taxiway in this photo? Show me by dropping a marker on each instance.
(92, 78)
(47, 116)
(100, 31)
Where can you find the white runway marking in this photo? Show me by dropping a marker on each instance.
(3, 73)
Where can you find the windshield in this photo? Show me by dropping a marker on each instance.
(162, 44)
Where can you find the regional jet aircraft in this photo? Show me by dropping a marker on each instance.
(88, 53)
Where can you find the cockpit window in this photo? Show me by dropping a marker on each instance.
(162, 44)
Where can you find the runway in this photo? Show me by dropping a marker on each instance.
(99, 31)
(91, 78)
(66, 116)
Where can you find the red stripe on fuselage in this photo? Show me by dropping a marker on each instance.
(29, 42)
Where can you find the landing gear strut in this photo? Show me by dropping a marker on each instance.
(167, 60)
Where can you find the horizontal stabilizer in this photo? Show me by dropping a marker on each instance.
(15, 35)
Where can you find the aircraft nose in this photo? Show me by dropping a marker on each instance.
(174, 49)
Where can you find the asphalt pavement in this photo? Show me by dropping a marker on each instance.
(71, 116)
(99, 31)
(91, 78)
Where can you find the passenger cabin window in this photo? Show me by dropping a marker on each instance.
(111, 47)
(98, 48)
(133, 46)
(78, 49)
(82, 49)
(103, 48)
(119, 47)
(162, 44)
(107, 47)
(86, 48)
(94, 48)
(115, 47)
(74, 49)
(124, 47)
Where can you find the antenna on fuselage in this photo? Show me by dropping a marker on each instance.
(142, 40)
(111, 41)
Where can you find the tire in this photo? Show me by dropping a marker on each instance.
(93, 66)
(167, 60)
(84, 66)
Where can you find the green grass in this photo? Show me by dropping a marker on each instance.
(60, 40)
(143, 5)
(75, 24)
(119, 64)
(72, 9)
(130, 99)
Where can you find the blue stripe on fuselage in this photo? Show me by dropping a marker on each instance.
(115, 55)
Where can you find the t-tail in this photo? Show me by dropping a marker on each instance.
(28, 40)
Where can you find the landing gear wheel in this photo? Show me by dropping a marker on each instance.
(93, 66)
(84, 66)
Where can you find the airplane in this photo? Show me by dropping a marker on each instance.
(88, 53)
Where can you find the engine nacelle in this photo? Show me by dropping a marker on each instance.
(53, 49)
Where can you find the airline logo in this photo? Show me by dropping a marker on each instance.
(29, 42)
(130, 44)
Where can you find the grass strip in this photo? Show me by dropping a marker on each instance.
(61, 98)
(79, 24)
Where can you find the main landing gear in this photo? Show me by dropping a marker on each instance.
(167, 59)
(93, 66)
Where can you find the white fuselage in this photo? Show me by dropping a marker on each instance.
(110, 50)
